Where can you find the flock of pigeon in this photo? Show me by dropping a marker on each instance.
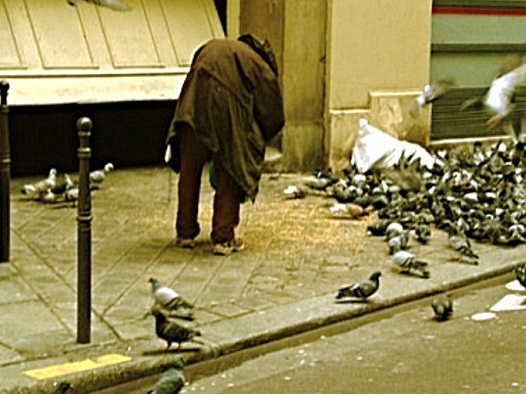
(472, 195)
(57, 187)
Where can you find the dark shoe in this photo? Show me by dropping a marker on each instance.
(226, 248)
(186, 243)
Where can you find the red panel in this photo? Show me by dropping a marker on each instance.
(478, 11)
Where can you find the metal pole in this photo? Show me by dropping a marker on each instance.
(84, 234)
(5, 172)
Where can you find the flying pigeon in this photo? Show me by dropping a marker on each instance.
(442, 307)
(520, 274)
(362, 289)
(498, 100)
(172, 380)
(62, 388)
(96, 177)
(407, 262)
(117, 5)
(171, 301)
(429, 94)
(171, 331)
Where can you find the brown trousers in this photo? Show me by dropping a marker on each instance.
(227, 195)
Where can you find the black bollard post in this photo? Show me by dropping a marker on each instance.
(84, 234)
(5, 172)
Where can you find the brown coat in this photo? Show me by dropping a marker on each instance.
(232, 100)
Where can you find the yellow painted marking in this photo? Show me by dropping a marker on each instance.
(76, 366)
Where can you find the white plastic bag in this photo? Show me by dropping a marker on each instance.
(375, 149)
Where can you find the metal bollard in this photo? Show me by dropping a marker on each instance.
(5, 173)
(84, 234)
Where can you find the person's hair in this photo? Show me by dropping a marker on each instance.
(262, 48)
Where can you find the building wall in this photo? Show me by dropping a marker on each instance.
(378, 61)
(377, 45)
(304, 69)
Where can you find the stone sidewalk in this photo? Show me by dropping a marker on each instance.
(297, 255)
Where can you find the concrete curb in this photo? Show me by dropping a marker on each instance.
(232, 335)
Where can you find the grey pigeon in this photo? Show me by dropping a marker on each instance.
(407, 262)
(171, 331)
(458, 241)
(63, 182)
(520, 274)
(362, 289)
(117, 5)
(72, 194)
(442, 307)
(62, 388)
(393, 229)
(422, 233)
(172, 380)
(170, 300)
(398, 242)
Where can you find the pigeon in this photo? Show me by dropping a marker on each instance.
(98, 176)
(393, 229)
(63, 388)
(171, 331)
(72, 194)
(442, 307)
(422, 233)
(117, 5)
(321, 180)
(37, 189)
(459, 242)
(50, 197)
(499, 98)
(63, 182)
(172, 380)
(398, 242)
(407, 262)
(350, 209)
(429, 94)
(362, 289)
(171, 301)
(294, 191)
(520, 274)
(378, 227)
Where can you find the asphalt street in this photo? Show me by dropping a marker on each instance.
(409, 352)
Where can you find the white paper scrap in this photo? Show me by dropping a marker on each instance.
(511, 302)
(515, 286)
